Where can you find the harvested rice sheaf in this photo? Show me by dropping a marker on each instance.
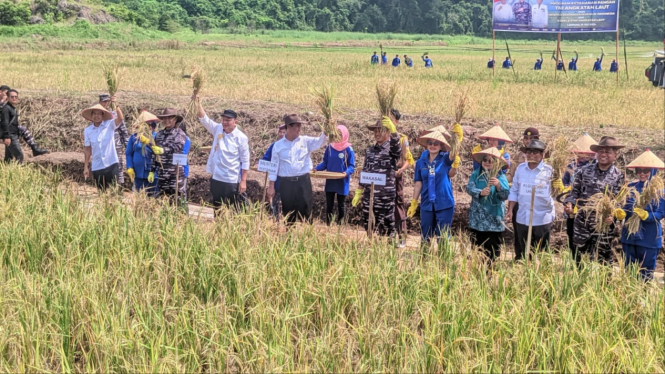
(323, 99)
(653, 191)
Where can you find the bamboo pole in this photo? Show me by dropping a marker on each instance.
(529, 233)
(625, 56)
(493, 59)
(370, 218)
(561, 57)
(616, 46)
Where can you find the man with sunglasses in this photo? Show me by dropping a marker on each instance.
(9, 129)
(23, 131)
(601, 176)
(533, 174)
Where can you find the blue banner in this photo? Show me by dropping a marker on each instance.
(565, 16)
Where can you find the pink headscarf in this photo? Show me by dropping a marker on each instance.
(344, 143)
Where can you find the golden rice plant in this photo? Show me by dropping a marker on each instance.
(323, 99)
(112, 77)
(653, 191)
(604, 204)
(460, 108)
(560, 157)
(141, 128)
(198, 78)
(385, 94)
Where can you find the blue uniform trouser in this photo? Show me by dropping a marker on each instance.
(433, 222)
(644, 257)
(143, 184)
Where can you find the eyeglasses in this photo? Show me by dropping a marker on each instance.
(487, 159)
(432, 142)
(13, 97)
(605, 150)
(643, 171)
(532, 152)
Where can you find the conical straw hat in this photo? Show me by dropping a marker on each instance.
(496, 132)
(146, 116)
(647, 160)
(440, 129)
(583, 144)
(491, 151)
(87, 113)
(434, 135)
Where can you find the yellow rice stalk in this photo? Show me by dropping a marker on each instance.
(653, 190)
(560, 157)
(197, 84)
(385, 94)
(461, 106)
(112, 77)
(323, 99)
(497, 165)
(141, 128)
(604, 204)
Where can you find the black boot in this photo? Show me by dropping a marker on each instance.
(36, 151)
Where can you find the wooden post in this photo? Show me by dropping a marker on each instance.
(370, 218)
(493, 59)
(561, 57)
(177, 174)
(616, 46)
(556, 59)
(625, 56)
(528, 236)
(265, 189)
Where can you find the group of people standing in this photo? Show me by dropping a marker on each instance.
(572, 65)
(396, 62)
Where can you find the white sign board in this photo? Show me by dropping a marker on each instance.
(267, 167)
(369, 178)
(179, 159)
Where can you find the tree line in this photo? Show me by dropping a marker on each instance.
(641, 19)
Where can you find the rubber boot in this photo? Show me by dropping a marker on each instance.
(36, 151)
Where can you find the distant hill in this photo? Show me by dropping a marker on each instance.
(641, 19)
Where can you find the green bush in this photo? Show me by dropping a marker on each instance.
(12, 14)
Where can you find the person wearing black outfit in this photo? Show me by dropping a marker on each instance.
(23, 132)
(9, 127)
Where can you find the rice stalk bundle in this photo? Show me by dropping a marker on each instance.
(385, 94)
(112, 77)
(323, 99)
(497, 165)
(141, 128)
(603, 206)
(460, 108)
(560, 157)
(197, 84)
(653, 191)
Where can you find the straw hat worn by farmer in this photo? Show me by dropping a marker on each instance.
(121, 135)
(404, 163)
(583, 155)
(381, 158)
(487, 209)
(642, 247)
(228, 161)
(276, 201)
(495, 138)
(433, 186)
(292, 154)
(99, 141)
(533, 174)
(23, 131)
(601, 176)
(169, 141)
(140, 157)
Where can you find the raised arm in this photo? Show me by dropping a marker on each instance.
(209, 124)
(315, 143)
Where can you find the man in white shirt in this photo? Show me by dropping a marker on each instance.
(99, 141)
(503, 12)
(228, 161)
(292, 154)
(539, 15)
(534, 173)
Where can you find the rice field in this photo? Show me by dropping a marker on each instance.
(285, 72)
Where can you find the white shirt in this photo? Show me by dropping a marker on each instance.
(543, 204)
(539, 16)
(229, 153)
(102, 143)
(293, 158)
(503, 12)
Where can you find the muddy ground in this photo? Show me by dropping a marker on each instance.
(56, 124)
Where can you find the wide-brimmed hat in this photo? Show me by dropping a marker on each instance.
(147, 117)
(377, 125)
(607, 142)
(647, 160)
(291, 119)
(496, 132)
(434, 135)
(531, 131)
(491, 151)
(104, 97)
(583, 144)
(87, 113)
(170, 112)
(534, 145)
(440, 129)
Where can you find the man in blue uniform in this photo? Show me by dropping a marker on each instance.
(597, 66)
(375, 59)
(396, 61)
(490, 63)
(614, 67)
(506, 63)
(428, 62)
(384, 59)
(572, 65)
(559, 65)
(408, 61)
(538, 65)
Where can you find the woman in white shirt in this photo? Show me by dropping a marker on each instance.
(100, 145)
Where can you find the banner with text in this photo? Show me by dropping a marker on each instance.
(555, 16)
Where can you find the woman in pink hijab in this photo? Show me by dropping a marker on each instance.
(339, 158)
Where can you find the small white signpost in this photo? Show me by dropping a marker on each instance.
(179, 159)
(372, 179)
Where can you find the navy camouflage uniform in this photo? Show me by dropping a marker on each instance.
(121, 138)
(588, 181)
(172, 141)
(522, 17)
(382, 159)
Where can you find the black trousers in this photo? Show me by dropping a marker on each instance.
(599, 248)
(570, 224)
(104, 178)
(296, 194)
(226, 194)
(13, 151)
(540, 237)
(330, 207)
(489, 241)
(514, 222)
